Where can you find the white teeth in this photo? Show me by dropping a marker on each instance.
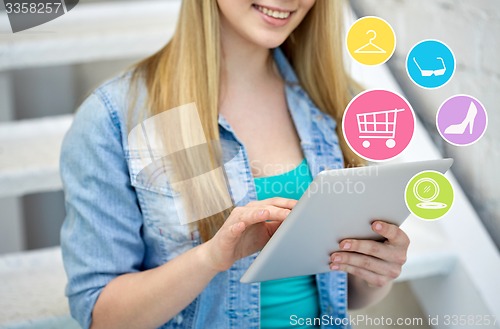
(274, 13)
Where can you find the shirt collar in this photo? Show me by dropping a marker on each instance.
(286, 70)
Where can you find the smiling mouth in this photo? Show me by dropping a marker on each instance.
(272, 12)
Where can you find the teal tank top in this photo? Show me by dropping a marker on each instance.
(279, 299)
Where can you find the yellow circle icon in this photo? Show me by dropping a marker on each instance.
(371, 40)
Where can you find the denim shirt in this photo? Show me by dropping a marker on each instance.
(113, 227)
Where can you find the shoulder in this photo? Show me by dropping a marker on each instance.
(110, 106)
(119, 93)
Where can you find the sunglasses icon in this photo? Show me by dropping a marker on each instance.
(428, 73)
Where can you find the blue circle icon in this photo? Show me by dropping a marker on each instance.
(430, 64)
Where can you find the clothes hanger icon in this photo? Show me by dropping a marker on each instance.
(428, 73)
(370, 47)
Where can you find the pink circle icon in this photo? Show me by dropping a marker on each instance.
(378, 125)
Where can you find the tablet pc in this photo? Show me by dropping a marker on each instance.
(338, 204)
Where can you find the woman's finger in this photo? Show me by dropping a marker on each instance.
(369, 263)
(272, 227)
(276, 201)
(393, 234)
(367, 247)
(254, 215)
(377, 249)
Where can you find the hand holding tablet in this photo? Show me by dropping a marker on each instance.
(375, 262)
(338, 205)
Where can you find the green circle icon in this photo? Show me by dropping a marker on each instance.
(429, 195)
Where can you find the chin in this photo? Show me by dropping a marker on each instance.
(270, 41)
(272, 44)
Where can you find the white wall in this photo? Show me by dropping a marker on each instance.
(472, 30)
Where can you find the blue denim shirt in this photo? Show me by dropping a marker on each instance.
(113, 227)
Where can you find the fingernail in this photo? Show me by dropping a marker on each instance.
(378, 226)
(337, 259)
(346, 246)
(334, 267)
(261, 212)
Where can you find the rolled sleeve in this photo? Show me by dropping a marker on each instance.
(101, 235)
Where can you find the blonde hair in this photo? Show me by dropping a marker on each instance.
(187, 70)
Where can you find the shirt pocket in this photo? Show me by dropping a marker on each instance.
(161, 209)
(150, 174)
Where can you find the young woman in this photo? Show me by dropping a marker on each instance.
(266, 76)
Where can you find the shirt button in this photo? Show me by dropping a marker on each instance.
(178, 319)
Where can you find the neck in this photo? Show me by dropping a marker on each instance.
(244, 62)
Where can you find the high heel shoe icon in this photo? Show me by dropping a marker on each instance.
(459, 129)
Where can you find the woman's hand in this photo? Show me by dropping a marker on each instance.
(377, 263)
(246, 230)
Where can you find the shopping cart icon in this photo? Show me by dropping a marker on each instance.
(378, 125)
